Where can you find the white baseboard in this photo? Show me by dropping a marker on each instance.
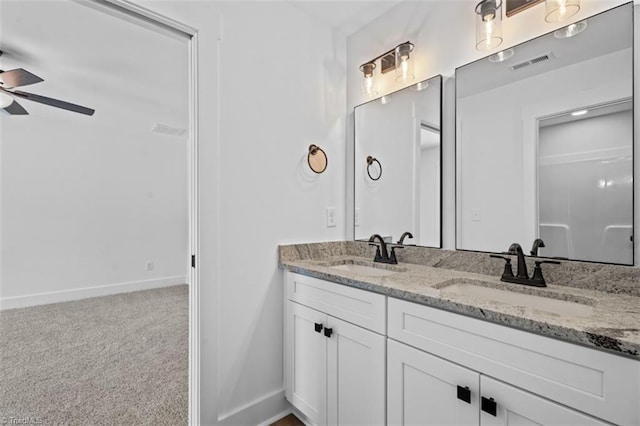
(255, 412)
(277, 417)
(87, 292)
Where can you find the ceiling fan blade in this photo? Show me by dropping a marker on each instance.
(18, 77)
(16, 109)
(52, 102)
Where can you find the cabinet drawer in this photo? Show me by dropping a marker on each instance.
(353, 305)
(592, 381)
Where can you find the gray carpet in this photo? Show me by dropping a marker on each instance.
(113, 360)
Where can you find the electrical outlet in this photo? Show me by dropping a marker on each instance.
(148, 265)
(356, 217)
(331, 217)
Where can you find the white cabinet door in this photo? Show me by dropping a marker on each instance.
(515, 407)
(423, 389)
(306, 362)
(355, 375)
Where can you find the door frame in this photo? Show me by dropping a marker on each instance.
(133, 10)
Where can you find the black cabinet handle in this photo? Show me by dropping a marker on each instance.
(328, 332)
(464, 394)
(318, 327)
(488, 405)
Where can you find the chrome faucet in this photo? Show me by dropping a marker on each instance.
(522, 276)
(382, 255)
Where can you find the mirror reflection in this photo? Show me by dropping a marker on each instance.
(398, 165)
(544, 137)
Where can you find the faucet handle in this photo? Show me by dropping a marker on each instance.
(508, 271)
(553, 262)
(392, 255)
(537, 279)
(378, 255)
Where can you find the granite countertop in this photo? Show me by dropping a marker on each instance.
(599, 319)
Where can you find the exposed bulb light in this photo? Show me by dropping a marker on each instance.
(501, 56)
(369, 89)
(5, 100)
(579, 113)
(570, 30)
(489, 24)
(560, 10)
(404, 67)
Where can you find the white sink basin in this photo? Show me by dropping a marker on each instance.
(541, 303)
(369, 271)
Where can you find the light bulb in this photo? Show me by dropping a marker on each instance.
(405, 68)
(368, 83)
(5, 100)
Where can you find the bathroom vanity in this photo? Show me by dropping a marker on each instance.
(367, 343)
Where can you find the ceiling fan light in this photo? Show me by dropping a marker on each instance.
(5, 100)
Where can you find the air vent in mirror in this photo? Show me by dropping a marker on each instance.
(537, 59)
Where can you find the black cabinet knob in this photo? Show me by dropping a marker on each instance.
(318, 327)
(328, 332)
(488, 405)
(464, 394)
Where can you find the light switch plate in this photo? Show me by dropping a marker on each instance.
(331, 217)
(475, 215)
(356, 217)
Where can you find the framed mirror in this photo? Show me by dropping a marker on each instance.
(544, 144)
(398, 165)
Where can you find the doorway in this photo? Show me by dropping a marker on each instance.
(107, 161)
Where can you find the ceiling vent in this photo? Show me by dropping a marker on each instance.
(536, 60)
(168, 130)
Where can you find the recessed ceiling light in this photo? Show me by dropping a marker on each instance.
(581, 112)
(501, 56)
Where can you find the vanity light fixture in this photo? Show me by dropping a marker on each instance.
(369, 89)
(397, 59)
(489, 24)
(560, 10)
(501, 56)
(404, 67)
(570, 30)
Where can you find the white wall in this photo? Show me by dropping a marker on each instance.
(271, 83)
(87, 201)
(444, 37)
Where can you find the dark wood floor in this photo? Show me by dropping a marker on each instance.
(290, 420)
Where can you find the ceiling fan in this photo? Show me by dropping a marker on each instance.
(11, 79)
